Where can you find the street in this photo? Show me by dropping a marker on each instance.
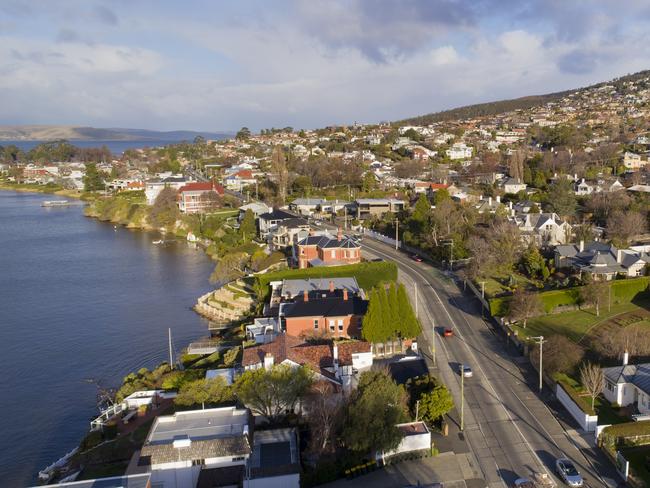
(509, 428)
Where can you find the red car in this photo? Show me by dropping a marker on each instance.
(417, 258)
(448, 332)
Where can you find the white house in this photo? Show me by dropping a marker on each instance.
(628, 384)
(152, 188)
(416, 437)
(514, 185)
(633, 161)
(459, 151)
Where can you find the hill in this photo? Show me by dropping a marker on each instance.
(502, 106)
(75, 133)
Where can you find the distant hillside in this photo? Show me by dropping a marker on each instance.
(73, 133)
(502, 106)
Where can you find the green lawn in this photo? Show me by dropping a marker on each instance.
(495, 288)
(637, 458)
(573, 324)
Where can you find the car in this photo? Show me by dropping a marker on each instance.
(567, 471)
(448, 332)
(417, 258)
(465, 370)
(537, 480)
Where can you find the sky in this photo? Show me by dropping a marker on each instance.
(220, 65)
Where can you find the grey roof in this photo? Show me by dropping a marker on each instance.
(326, 241)
(637, 374)
(278, 214)
(275, 453)
(131, 481)
(297, 287)
(308, 201)
(153, 454)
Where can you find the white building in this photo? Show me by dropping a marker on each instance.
(628, 384)
(153, 188)
(459, 151)
(634, 161)
(416, 437)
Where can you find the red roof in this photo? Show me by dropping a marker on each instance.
(438, 186)
(244, 174)
(201, 186)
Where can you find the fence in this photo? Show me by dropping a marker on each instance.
(587, 422)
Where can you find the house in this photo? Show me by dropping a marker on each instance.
(306, 206)
(263, 330)
(459, 151)
(415, 437)
(333, 313)
(584, 188)
(288, 233)
(514, 185)
(258, 208)
(628, 384)
(152, 188)
(376, 207)
(275, 460)
(287, 290)
(238, 180)
(601, 260)
(490, 205)
(179, 446)
(141, 480)
(326, 250)
(634, 161)
(336, 362)
(270, 221)
(198, 197)
(543, 229)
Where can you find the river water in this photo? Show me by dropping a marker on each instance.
(79, 300)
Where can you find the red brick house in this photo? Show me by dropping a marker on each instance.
(325, 250)
(194, 197)
(331, 313)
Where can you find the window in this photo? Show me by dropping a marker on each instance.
(332, 325)
(198, 462)
(315, 323)
(341, 325)
(609, 386)
(333, 253)
(239, 458)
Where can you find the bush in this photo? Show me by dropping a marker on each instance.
(367, 274)
(627, 434)
(624, 291)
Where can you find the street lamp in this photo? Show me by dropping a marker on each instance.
(396, 234)
(450, 243)
(541, 341)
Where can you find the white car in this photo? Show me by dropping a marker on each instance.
(537, 480)
(567, 471)
(465, 370)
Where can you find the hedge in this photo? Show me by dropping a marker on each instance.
(583, 402)
(627, 434)
(623, 291)
(368, 274)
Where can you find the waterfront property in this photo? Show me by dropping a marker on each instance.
(327, 250)
(198, 197)
(601, 260)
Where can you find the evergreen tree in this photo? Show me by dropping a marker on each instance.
(386, 327)
(247, 228)
(393, 305)
(370, 325)
(410, 325)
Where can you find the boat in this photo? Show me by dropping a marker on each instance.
(47, 473)
(159, 241)
(55, 203)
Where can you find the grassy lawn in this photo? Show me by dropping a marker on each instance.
(494, 286)
(607, 414)
(637, 458)
(573, 324)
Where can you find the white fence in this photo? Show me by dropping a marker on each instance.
(587, 422)
(381, 237)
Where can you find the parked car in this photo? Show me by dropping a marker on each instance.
(417, 258)
(465, 370)
(448, 332)
(567, 471)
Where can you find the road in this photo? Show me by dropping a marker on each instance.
(508, 426)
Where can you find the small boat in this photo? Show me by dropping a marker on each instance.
(55, 203)
(159, 241)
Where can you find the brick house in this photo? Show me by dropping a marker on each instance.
(331, 313)
(194, 197)
(325, 250)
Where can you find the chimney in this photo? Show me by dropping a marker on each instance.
(339, 235)
(619, 256)
(268, 361)
(331, 286)
(626, 358)
(305, 296)
(581, 247)
(335, 354)
(498, 198)
(490, 201)
(345, 294)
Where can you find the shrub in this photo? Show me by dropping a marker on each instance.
(627, 434)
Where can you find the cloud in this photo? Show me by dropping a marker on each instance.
(578, 62)
(105, 15)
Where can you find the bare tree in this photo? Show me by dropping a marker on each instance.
(622, 226)
(524, 305)
(561, 354)
(592, 378)
(594, 294)
(281, 171)
(324, 409)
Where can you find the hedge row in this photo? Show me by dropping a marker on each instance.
(623, 291)
(584, 403)
(368, 274)
(627, 434)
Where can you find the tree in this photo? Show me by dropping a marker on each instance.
(243, 134)
(93, 180)
(593, 379)
(435, 404)
(231, 356)
(271, 393)
(164, 211)
(324, 409)
(561, 354)
(441, 195)
(210, 201)
(372, 413)
(623, 225)
(533, 262)
(594, 293)
(409, 325)
(562, 198)
(524, 305)
(229, 267)
(281, 172)
(247, 227)
(199, 392)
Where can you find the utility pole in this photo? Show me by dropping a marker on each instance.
(450, 243)
(541, 341)
(396, 234)
(462, 398)
(483, 297)
(416, 300)
(171, 355)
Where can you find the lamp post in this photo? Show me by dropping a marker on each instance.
(540, 341)
(396, 234)
(450, 243)
(462, 398)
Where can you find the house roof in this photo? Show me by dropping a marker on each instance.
(637, 374)
(308, 201)
(326, 304)
(198, 449)
(244, 174)
(325, 241)
(292, 288)
(202, 187)
(277, 214)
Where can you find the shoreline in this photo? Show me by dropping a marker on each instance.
(42, 189)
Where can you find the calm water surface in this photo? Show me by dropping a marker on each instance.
(79, 300)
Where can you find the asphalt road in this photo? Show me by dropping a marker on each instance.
(508, 426)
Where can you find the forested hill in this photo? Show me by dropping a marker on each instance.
(502, 106)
